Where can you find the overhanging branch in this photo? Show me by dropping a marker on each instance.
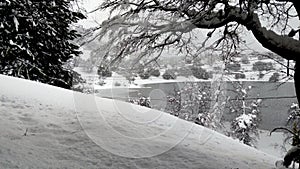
(283, 45)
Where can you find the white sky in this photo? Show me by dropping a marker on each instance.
(96, 18)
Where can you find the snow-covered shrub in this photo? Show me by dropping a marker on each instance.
(144, 75)
(188, 61)
(262, 66)
(154, 72)
(245, 60)
(193, 102)
(244, 126)
(261, 57)
(141, 100)
(117, 84)
(84, 88)
(104, 71)
(174, 102)
(184, 71)
(293, 120)
(239, 76)
(294, 114)
(200, 73)
(169, 74)
(233, 67)
(261, 75)
(78, 82)
(189, 101)
(101, 82)
(130, 77)
(274, 77)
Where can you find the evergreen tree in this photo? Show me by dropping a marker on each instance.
(35, 38)
(244, 126)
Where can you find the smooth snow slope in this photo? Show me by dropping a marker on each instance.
(42, 126)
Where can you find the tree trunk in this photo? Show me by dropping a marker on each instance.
(297, 79)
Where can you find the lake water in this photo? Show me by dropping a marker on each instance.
(276, 98)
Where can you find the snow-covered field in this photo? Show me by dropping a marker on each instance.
(43, 126)
(119, 81)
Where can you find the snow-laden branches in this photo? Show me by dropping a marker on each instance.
(145, 28)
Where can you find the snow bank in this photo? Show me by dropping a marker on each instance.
(47, 127)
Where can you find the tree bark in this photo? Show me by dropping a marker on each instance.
(297, 79)
(297, 61)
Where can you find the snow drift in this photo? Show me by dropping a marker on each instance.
(43, 126)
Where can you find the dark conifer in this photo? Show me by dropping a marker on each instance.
(35, 40)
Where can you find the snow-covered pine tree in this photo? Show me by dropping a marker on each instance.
(35, 38)
(294, 116)
(245, 125)
(141, 100)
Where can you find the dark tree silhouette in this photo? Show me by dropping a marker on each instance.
(35, 38)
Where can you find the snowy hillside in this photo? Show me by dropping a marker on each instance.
(47, 127)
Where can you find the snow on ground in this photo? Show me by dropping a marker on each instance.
(156, 80)
(115, 81)
(43, 126)
(272, 144)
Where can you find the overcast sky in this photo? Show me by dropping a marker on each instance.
(99, 16)
(95, 17)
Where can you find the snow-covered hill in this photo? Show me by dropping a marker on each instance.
(43, 126)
